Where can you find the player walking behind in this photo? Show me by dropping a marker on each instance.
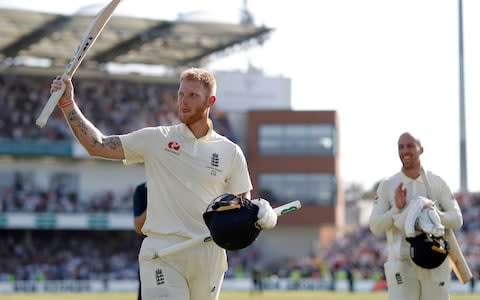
(406, 280)
(186, 166)
(139, 216)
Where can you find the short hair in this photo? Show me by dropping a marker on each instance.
(205, 77)
(417, 140)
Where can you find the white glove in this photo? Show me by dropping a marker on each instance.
(267, 217)
(429, 222)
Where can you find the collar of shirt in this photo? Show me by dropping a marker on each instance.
(186, 132)
(406, 180)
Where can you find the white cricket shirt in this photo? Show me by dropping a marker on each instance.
(184, 174)
(385, 211)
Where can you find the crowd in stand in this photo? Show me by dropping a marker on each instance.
(80, 255)
(24, 196)
(68, 255)
(358, 251)
(114, 106)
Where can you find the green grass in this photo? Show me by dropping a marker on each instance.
(302, 295)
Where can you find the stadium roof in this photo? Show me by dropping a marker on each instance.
(52, 38)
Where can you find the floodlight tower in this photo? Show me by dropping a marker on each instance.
(246, 15)
(463, 139)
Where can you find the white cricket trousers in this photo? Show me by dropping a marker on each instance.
(191, 274)
(407, 281)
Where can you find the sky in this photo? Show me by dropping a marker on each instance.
(386, 67)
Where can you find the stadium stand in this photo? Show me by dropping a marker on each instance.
(126, 40)
(110, 104)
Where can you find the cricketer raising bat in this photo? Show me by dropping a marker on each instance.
(89, 38)
(457, 260)
(280, 210)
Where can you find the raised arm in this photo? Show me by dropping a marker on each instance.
(95, 142)
(381, 216)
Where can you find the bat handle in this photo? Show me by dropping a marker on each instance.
(50, 106)
(280, 210)
(288, 208)
(177, 247)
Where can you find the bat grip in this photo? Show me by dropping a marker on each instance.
(50, 105)
(288, 208)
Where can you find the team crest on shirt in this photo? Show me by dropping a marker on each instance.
(159, 277)
(214, 164)
(173, 147)
(214, 160)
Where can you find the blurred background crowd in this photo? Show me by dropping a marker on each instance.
(46, 254)
(136, 105)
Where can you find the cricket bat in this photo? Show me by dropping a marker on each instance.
(457, 260)
(455, 255)
(89, 38)
(280, 211)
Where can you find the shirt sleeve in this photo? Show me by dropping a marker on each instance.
(140, 200)
(448, 208)
(136, 144)
(239, 179)
(381, 217)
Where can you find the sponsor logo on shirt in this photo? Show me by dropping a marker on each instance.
(173, 147)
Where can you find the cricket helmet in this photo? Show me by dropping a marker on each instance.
(231, 221)
(428, 251)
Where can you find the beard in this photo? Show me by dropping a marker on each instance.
(193, 116)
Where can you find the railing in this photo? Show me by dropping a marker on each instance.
(36, 148)
(244, 284)
(107, 221)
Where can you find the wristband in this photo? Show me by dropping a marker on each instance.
(65, 104)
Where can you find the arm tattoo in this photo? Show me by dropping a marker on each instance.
(81, 128)
(91, 138)
(113, 142)
(76, 122)
(85, 131)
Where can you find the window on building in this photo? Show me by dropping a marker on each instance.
(309, 188)
(297, 139)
